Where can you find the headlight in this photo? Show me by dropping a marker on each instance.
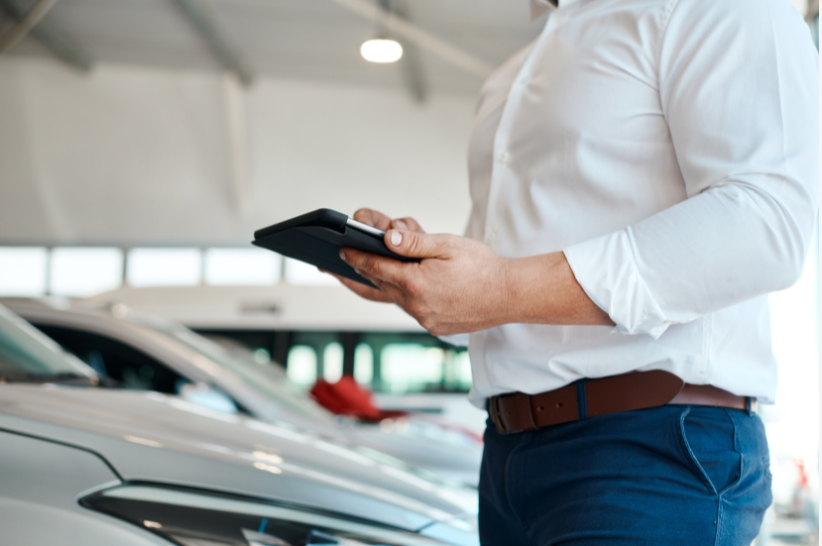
(194, 518)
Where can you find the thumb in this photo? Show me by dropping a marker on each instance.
(413, 244)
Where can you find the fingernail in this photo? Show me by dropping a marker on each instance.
(400, 224)
(396, 238)
(342, 255)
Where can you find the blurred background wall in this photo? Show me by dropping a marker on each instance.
(136, 155)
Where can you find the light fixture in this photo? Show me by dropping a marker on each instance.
(381, 50)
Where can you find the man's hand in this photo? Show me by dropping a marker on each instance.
(383, 222)
(459, 286)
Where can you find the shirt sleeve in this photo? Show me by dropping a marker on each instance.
(739, 88)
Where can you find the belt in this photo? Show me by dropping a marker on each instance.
(520, 412)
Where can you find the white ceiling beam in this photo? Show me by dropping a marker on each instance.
(24, 25)
(411, 63)
(48, 33)
(425, 40)
(224, 51)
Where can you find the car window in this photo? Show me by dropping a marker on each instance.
(118, 361)
(24, 350)
(266, 378)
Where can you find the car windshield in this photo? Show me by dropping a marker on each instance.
(266, 378)
(27, 355)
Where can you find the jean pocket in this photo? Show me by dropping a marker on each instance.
(708, 437)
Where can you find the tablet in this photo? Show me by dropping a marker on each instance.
(317, 237)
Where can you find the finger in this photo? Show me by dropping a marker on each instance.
(364, 291)
(373, 218)
(418, 245)
(406, 223)
(375, 266)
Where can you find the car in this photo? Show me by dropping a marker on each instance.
(275, 319)
(152, 353)
(85, 465)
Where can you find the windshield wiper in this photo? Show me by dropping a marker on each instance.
(68, 378)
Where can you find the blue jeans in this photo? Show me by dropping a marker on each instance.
(665, 476)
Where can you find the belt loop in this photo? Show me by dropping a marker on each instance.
(749, 405)
(582, 403)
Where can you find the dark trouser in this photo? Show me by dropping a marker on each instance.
(665, 476)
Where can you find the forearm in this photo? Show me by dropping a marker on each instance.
(543, 290)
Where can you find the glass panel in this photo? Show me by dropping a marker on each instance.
(301, 273)
(23, 271)
(119, 362)
(792, 424)
(164, 267)
(363, 364)
(411, 368)
(252, 367)
(84, 272)
(464, 370)
(302, 365)
(332, 362)
(24, 350)
(241, 266)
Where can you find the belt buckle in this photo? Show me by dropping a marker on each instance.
(496, 415)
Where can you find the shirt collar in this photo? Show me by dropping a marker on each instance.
(538, 7)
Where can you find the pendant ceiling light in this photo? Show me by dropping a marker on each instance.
(382, 48)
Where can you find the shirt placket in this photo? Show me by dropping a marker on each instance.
(501, 170)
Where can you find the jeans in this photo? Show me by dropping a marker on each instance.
(664, 476)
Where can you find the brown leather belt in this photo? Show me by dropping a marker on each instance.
(520, 412)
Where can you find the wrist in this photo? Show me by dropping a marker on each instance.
(506, 310)
(535, 289)
(522, 284)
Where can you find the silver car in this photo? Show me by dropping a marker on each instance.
(90, 466)
(147, 352)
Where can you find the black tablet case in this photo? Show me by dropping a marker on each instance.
(317, 237)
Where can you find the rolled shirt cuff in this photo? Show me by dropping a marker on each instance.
(606, 269)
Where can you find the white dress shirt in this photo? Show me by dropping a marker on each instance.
(670, 149)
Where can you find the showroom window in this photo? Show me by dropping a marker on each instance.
(301, 273)
(302, 366)
(241, 266)
(85, 271)
(23, 271)
(463, 370)
(792, 424)
(408, 367)
(363, 364)
(332, 362)
(164, 267)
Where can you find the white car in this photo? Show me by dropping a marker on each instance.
(83, 465)
(147, 352)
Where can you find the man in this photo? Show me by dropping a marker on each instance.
(642, 176)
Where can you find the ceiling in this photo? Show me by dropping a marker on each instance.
(294, 39)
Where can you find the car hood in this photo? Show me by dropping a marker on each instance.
(163, 439)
